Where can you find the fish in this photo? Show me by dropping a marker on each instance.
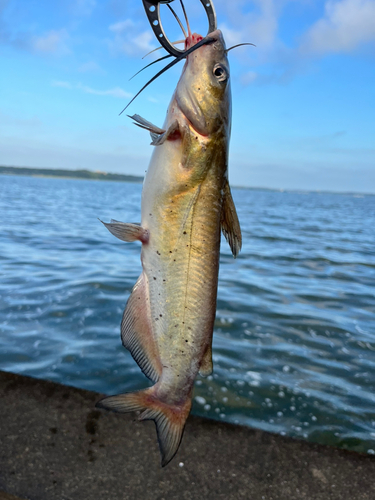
(186, 203)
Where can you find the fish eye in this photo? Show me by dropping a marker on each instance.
(221, 73)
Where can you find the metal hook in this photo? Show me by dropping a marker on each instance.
(152, 8)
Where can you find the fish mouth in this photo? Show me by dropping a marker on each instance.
(192, 40)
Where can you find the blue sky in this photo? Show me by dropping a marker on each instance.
(303, 99)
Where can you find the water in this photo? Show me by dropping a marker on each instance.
(294, 335)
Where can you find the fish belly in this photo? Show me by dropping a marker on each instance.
(181, 262)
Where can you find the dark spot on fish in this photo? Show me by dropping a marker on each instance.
(156, 319)
(174, 260)
(196, 137)
(164, 280)
(183, 322)
(170, 251)
(157, 251)
(150, 215)
(188, 329)
(184, 232)
(161, 315)
(186, 341)
(53, 430)
(154, 278)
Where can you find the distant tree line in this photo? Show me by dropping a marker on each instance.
(72, 174)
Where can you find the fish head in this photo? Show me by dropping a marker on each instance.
(203, 93)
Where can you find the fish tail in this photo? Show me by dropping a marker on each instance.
(169, 419)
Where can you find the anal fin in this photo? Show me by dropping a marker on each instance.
(230, 224)
(136, 331)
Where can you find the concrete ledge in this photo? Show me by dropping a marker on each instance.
(55, 446)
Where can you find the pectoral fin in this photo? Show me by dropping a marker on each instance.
(143, 123)
(126, 231)
(158, 140)
(229, 222)
(158, 135)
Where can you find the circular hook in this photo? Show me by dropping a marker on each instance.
(152, 8)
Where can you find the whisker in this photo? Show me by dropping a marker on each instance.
(186, 18)
(205, 41)
(240, 45)
(148, 65)
(178, 20)
(159, 48)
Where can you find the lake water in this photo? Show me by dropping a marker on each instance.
(294, 340)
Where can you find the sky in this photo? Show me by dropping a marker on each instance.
(303, 98)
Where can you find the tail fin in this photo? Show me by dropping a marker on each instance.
(169, 420)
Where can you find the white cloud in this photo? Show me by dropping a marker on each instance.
(117, 92)
(122, 26)
(129, 41)
(345, 26)
(65, 85)
(52, 42)
(83, 7)
(260, 23)
(90, 67)
(249, 77)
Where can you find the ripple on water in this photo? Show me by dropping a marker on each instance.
(294, 334)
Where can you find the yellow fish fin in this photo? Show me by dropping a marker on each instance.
(229, 222)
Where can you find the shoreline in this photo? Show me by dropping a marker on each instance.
(81, 174)
(56, 446)
(106, 176)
